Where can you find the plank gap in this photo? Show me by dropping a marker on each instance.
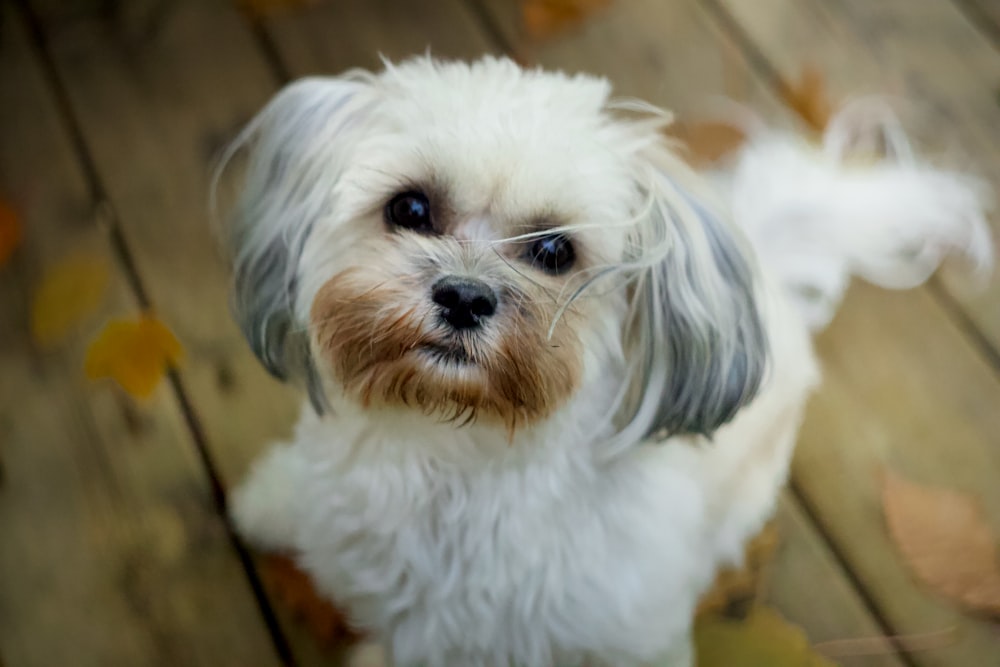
(280, 70)
(278, 639)
(491, 28)
(979, 16)
(125, 258)
(98, 194)
(957, 314)
(843, 562)
(754, 56)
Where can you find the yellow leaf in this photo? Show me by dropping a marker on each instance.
(544, 18)
(10, 232)
(809, 98)
(945, 539)
(762, 639)
(66, 295)
(135, 353)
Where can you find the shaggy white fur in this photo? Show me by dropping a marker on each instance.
(555, 528)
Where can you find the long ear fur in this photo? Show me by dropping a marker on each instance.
(296, 149)
(696, 336)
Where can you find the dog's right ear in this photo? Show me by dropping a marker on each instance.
(295, 150)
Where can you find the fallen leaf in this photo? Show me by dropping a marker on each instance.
(762, 639)
(134, 353)
(736, 591)
(10, 232)
(67, 293)
(543, 19)
(945, 539)
(707, 141)
(295, 591)
(809, 98)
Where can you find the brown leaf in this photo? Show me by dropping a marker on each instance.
(295, 590)
(809, 98)
(544, 19)
(707, 141)
(735, 591)
(762, 639)
(69, 292)
(946, 540)
(134, 353)
(10, 232)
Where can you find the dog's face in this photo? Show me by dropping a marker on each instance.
(479, 243)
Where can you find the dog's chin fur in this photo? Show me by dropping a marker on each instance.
(491, 496)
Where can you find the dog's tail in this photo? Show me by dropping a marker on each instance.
(860, 204)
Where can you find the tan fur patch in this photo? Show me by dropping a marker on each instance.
(386, 347)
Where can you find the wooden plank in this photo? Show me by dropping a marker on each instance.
(154, 113)
(923, 52)
(112, 553)
(334, 36)
(668, 53)
(672, 55)
(904, 391)
(903, 387)
(809, 588)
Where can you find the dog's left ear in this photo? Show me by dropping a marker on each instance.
(295, 151)
(695, 337)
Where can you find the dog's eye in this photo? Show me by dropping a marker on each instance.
(410, 210)
(553, 253)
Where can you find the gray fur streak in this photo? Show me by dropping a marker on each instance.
(705, 345)
(294, 149)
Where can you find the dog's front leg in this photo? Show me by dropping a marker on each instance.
(264, 506)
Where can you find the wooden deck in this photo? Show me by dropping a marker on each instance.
(113, 549)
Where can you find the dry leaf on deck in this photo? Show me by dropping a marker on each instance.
(945, 539)
(295, 590)
(68, 292)
(10, 231)
(707, 141)
(762, 639)
(809, 98)
(545, 18)
(135, 353)
(735, 591)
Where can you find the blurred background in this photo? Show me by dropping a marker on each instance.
(114, 549)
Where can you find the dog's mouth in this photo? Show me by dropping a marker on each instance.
(453, 353)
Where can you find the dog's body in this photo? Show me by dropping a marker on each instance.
(557, 526)
(518, 553)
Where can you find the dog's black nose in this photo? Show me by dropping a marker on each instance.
(465, 302)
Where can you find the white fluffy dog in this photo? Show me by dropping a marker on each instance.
(556, 376)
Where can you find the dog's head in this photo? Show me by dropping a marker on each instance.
(482, 243)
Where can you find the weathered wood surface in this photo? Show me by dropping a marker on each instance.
(929, 57)
(904, 388)
(159, 87)
(111, 553)
(905, 391)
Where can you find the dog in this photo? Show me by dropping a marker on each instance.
(554, 374)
